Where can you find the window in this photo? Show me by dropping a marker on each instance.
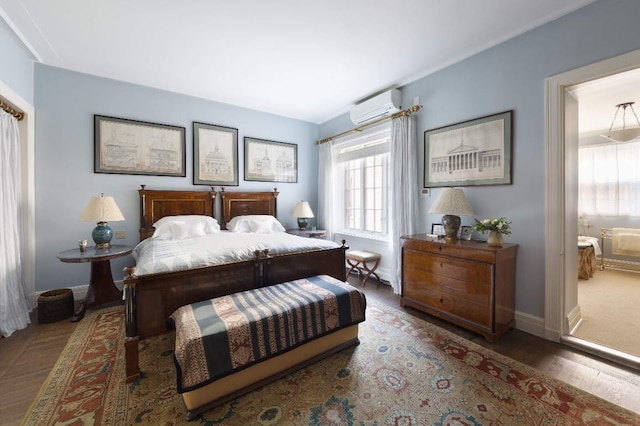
(363, 170)
(609, 180)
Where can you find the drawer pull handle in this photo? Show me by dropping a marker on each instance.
(441, 264)
(441, 300)
(440, 248)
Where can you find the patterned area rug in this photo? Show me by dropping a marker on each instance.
(404, 372)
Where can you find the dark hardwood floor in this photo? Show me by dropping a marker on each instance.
(27, 357)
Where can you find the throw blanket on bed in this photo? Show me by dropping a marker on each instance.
(217, 337)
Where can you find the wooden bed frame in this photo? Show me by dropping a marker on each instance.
(151, 299)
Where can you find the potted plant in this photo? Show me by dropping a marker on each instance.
(496, 227)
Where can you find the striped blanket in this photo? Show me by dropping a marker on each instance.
(223, 335)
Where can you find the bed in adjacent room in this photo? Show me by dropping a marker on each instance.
(186, 260)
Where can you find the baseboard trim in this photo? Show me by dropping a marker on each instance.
(530, 324)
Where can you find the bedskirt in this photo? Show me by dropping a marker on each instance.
(222, 336)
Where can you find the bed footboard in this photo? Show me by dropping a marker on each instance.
(151, 299)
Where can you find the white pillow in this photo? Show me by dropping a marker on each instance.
(210, 225)
(183, 227)
(261, 224)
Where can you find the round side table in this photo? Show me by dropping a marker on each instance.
(102, 289)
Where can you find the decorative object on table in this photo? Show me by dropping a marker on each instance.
(302, 212)
(474, 152)
(138, 148)
(452, 203)
(215, 155)
(496, 227)
(437, 229)
(101, 210)
(270, 161)
(624, 134)
(465, 233)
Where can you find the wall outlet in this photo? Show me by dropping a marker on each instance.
(426, 192)
(120, 235)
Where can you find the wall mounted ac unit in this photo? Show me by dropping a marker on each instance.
(377, 107)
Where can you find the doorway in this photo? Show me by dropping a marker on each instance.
(562, 311)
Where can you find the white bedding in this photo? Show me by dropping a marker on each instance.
(154, 256)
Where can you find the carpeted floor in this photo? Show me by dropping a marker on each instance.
(609, 308)
(404, 372)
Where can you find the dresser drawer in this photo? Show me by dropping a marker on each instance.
(477, 313)
(465, 270)
(471, 290)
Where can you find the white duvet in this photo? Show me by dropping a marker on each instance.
(155, 256)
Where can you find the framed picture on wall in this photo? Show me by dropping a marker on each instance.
(215, 155)
(133, 147)
(474, 152)
(270, 161)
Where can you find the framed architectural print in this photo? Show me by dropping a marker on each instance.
(132, 147)
(474, 152)
(215, 155)
(270, 161)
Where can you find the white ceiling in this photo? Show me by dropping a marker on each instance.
(597, 102)
(301, 59)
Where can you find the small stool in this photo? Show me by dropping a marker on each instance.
(358, 259)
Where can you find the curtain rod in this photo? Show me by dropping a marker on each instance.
(19, 115)
(373, 123)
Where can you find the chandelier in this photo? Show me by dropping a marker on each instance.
(624, 134)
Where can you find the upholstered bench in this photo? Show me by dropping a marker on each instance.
(359, 259)
(232, 344)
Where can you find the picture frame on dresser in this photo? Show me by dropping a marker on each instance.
(132, 147)
(469, 153)
(437, 229)
(215, 155)
(270, 161)
(465, 233)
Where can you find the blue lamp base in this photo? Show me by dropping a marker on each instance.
(303, 222)
(102, 235)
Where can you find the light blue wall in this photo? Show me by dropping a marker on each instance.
(511, 76)
(66, 102)
(16, 65)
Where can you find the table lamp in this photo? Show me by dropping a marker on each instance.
(452, 203)
(302, 212)
(102, 210)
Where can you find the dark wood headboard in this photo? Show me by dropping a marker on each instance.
(156, 204)
(245, 203)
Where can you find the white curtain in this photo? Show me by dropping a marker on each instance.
(14, 309)
(404, 190)
(326, 190)
(609, 180)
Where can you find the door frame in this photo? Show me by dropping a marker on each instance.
(556, 320)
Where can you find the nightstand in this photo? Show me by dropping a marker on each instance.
(102, 289)
(318, 233)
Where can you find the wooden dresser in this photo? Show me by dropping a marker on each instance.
(466, 283)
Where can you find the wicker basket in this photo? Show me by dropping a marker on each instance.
(55, 305)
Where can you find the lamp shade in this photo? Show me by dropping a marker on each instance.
(452, 201)
(102, 210)
(302, 212)
(302, 209)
